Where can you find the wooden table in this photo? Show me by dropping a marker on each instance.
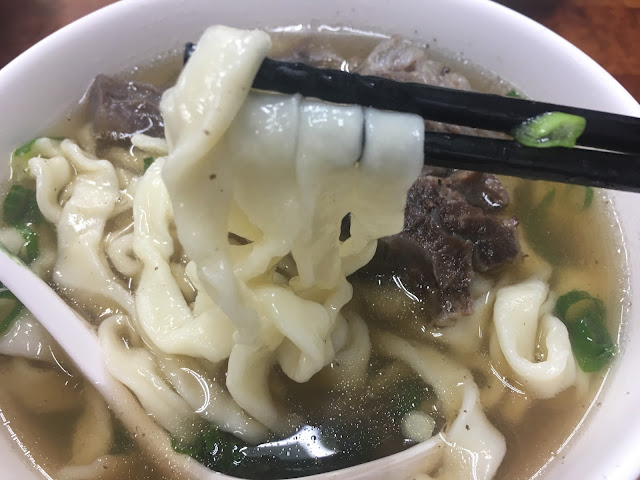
(607, 30)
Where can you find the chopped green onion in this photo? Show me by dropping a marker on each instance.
(513, 93)
(215, 449)
(584, 316)
(407, 396)
(122, 441)
(147, 162)
(536, 225)
(19, 169)
(551, 129)
(568, 300)
(591, 342)
(25, 149)
(21, 156)
(576, 198)
(547, 200)
(15, 204)
(588, 197)
(20, 206)
(29, 251)
(10, 308)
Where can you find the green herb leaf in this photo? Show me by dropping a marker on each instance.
(21, 156)
(25, 149)
(407, 396)
(513, 93)
(566, 301)
(21, 206)
(29, 251)
(588, 197)
(122, 441)
(10, 308)
(536, 225)
(551, 129)
(218, 450)
(148, 162)
(591, 342)
(584, 316)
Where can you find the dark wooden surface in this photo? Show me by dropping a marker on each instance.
(607, 30)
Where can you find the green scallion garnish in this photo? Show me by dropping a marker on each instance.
(20, 206)
(25, 149)
(148, 162)
(585, 316)
(21, 156)
(588, 197)
(29, 251)
(215, 449)
(551, 129)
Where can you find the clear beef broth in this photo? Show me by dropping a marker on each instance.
(535, 430)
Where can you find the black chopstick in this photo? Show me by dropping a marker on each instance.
(606, 131)
(614, 164)
(583, 166)
(594, 168)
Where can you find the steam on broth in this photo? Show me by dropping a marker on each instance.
(344, 419)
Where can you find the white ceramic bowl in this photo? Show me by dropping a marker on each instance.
(42, 84)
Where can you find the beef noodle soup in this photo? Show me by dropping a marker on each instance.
(287, 291)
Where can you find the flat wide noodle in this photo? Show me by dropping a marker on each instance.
(81, 267)
(277, 175)
(475, 447)
(136, 368)
(282, 173)
(163, 312)
(518, 323)
(27, 338)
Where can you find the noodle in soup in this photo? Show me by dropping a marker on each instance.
(260, 286)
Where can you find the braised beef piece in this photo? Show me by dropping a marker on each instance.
(451, 229)
(480, 189)
(403, 60)
(450, 257)
(406, 61)
(398, 255)
(120, 108)
(494, 241)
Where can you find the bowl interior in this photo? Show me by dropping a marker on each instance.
(44, 83)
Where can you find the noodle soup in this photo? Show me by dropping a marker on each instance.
(332, 404)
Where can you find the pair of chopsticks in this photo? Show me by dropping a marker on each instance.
(607, 154)
(615, 166)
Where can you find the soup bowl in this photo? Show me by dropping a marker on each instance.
(44, 84)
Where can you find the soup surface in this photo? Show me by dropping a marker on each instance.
(565, 238)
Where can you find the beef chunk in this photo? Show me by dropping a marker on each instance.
(446, 237)
(494, 241)
(451, 260)
(121, 108)
(397, 255)
(482, 190)
(405, 61)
